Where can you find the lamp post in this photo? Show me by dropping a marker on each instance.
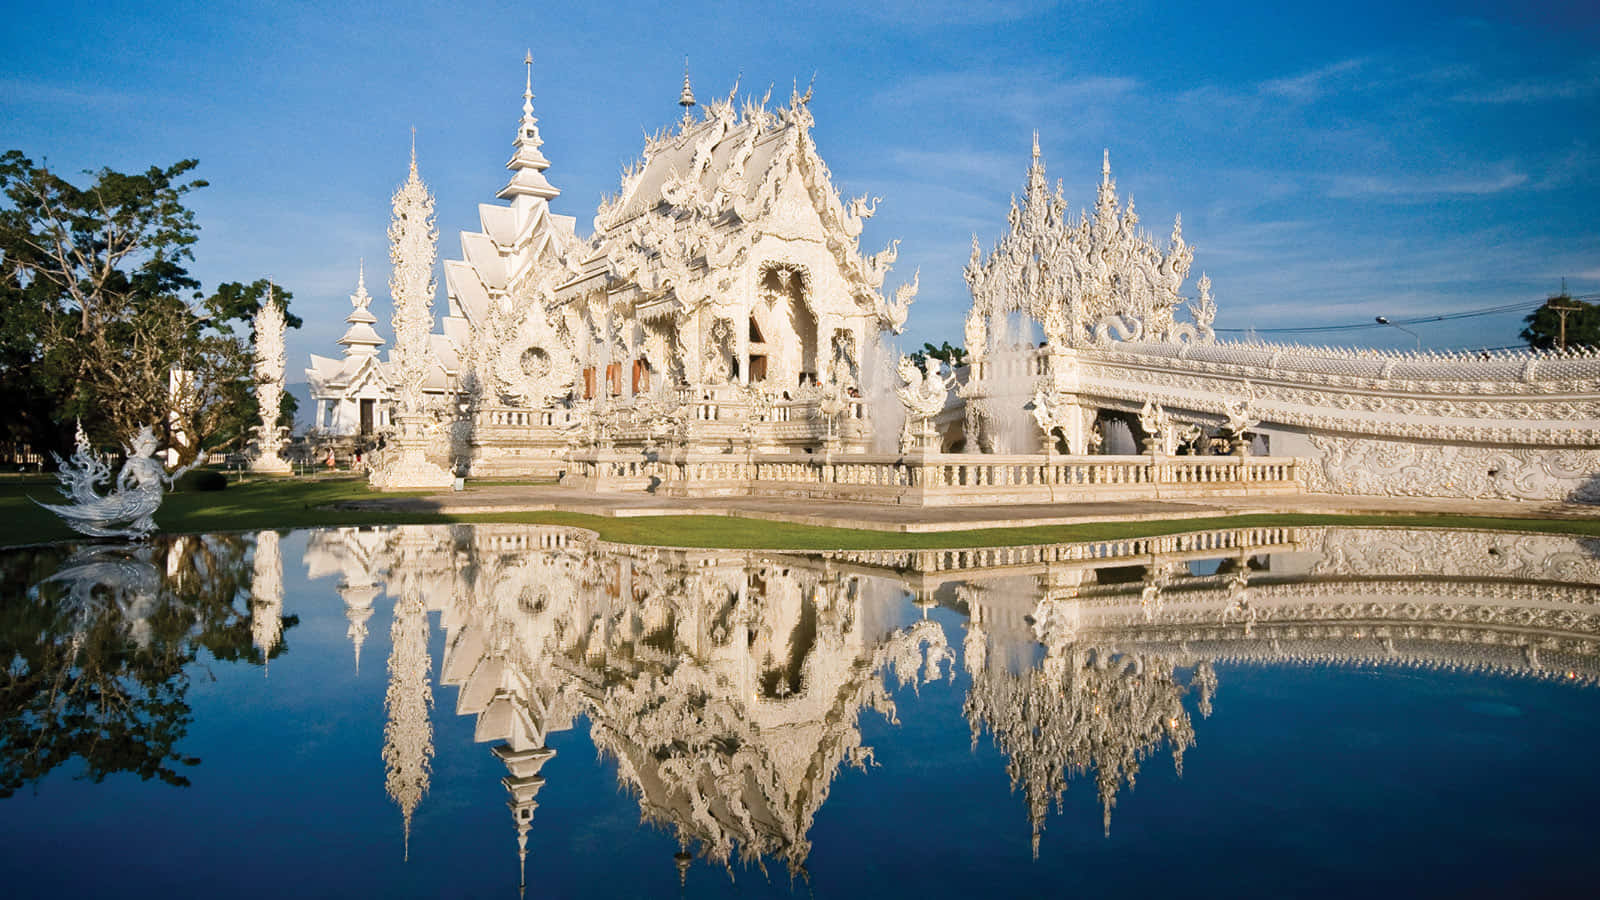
(1384, 320)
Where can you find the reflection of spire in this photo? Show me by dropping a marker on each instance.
(357, 610)
(1084, 710)
(266, 596)
(682, 859)
(523, 785)
(408, 736)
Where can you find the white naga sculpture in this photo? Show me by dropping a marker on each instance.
(924, 395)
(1156, 424)
(269, 362)
(1051, 417)
(128, 508)
(1241, 418)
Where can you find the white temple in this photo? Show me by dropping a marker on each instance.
(352, 393)
(721, 331)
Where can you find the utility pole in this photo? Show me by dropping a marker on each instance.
(1562, 311)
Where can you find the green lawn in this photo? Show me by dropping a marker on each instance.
(289, 503)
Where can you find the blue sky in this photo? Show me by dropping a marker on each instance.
(1331, 165)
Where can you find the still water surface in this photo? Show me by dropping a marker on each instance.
(478, 710)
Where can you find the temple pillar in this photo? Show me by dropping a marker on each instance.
(741, 345)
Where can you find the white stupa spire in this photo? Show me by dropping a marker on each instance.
(361, 339)
(527, 163)
(269, 362)
(686, 96)
(412, 242)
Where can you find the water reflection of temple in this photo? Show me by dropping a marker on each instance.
(728, 685)
(1081, 655)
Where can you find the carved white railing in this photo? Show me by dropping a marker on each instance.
(517, 417)
(939, 479)
(1170, 547)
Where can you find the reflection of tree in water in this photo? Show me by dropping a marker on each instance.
(97, 642)
(1084, 709)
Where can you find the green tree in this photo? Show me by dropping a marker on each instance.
(216, 407)
(95, 322)
(950, 355)
(1542, 327)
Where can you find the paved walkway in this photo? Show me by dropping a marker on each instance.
(503, 498)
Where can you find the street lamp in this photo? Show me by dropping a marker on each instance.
(1384, 320)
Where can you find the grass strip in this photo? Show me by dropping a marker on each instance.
(292, 503)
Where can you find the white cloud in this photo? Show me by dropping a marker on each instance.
(1533, 91)
(1309, 86)
(1403, 187)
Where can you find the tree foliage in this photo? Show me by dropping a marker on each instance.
(98, 311)
(1542, 327)
(946, 353)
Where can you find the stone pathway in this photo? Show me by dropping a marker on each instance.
(492, 498)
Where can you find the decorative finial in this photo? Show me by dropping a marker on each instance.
(361, 298)
(1105, 166)
(413, 151)
(527, 91)
(1036, 143)
(686, 97)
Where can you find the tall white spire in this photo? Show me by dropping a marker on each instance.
(413, 246)
(269, 362)
(360, 338)
(527, 163)
(413, 243)
(686, 96)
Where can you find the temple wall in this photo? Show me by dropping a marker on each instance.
(1339, 464)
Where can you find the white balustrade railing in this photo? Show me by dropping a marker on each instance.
(937, 479)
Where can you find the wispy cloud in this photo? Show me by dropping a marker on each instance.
(1423, 186)
(1533, 91)
(1309, 86)
(21, 91)
(933, 13)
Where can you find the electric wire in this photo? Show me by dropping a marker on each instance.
(1414, 320)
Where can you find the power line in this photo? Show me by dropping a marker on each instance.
(1417, 320)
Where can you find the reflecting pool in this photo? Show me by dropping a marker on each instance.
(496, 710)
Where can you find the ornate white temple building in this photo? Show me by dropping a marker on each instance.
(721, 331)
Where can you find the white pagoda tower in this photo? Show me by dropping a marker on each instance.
(352, 393)
(269, 361)
(413, 241)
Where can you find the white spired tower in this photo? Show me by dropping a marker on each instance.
(413, 242)
(269, 351)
